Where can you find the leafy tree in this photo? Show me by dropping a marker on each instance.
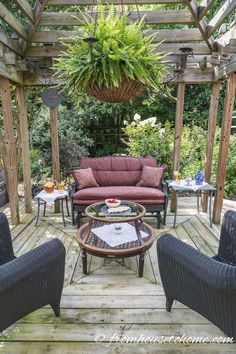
(73, 141)
(197, 104)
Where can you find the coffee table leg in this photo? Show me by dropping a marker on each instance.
(141, 264)
(84, 260)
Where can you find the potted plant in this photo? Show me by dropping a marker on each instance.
(112, 60)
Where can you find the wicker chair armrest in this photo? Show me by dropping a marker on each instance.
(33, 263)
(2, 185)
(183, 256)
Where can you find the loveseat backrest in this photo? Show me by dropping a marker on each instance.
(117, 170)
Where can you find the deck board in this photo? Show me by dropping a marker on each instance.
(112, 298)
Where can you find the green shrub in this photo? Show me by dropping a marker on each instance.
(151, 140)
(157, 140)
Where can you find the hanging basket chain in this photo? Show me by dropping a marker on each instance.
(136, 5)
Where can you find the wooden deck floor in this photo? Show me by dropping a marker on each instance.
(111, 301)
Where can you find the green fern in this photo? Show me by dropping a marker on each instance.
(121, 52)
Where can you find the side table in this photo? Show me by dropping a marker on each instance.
(182, 187)
(44, 198)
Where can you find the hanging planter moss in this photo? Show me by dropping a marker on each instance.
(117, 66)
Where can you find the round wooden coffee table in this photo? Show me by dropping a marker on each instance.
(117, 235)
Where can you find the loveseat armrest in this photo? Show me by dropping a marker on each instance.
(165, 189)
(164, 166)
(73, 189)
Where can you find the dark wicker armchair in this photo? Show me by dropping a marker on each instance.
(206, 285)
(30, 281)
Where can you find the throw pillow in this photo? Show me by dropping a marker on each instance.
(84, 178)
(150, 177)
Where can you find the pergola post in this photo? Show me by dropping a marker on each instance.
(24, 132)
(211, 138)
(224, 146)
(178, 129)
(10, 149)
(55, 149)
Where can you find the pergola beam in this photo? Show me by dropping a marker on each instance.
(172, 48)
(7, 16)
(225, 39)
(222, 71)
(26, 9)
(24, 132)
(55, 149)
(204, 6)
(115, 2)
(195, 76)
(226, 9)
(8, 42)
(177, 138)
(167, 35)
(9, 72)
(201, 24)
(151, 17)
(38, 10)
(10, 149)
(211, 138)
(224, 146)
(190, 76)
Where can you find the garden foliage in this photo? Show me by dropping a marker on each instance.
(157, 140)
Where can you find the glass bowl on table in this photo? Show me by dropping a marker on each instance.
(112, 202)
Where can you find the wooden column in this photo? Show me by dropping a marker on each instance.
(211, 138)
(178, 129)
(224, 146)
(24, 132)
(10, 149)
(55, 149)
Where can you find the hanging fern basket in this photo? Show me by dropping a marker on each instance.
(112, 61)
(123, 93)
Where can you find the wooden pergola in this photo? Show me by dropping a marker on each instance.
(38, 43)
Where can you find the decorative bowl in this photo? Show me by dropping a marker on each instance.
(112, 202)
(49, 187)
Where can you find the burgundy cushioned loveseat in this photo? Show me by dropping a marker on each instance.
(117, 177)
